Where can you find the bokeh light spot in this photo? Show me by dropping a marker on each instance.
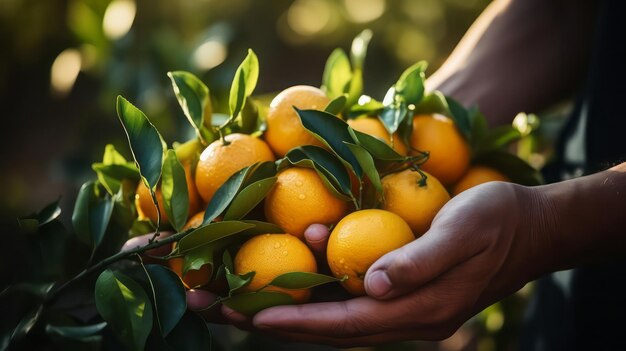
(64, 71)
(308, 17)
(209, 54)
(118, 18)
(363, 11)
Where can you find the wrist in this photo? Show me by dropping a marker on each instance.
(579, 221)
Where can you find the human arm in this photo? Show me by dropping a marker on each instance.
(483, 245)
(519, 55)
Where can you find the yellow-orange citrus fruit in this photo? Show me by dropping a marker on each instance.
(271, 255)
(449, 152)
(218, 161)
(375, 128)
(361, 238)
(193, 278)
(284, 128)
(299, 199)
(416, 202)
(145, 206)
(477, 175)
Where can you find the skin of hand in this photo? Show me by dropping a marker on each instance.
(483, 245)
(519, 55)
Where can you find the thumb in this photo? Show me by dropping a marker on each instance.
(413, 265)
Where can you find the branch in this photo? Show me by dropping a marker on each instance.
(112, 259)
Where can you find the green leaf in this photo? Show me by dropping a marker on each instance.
(435, 102)
(253, 302)
(337, 74)
(368, 107)
(411, 83)
(112, 156)
(174, 190)
(49, 213)
(221, 238)
(210, 233)
(125, 306)
(479, 128)
(336, 105)
(225, 194)
(169, 295)
(195, 259)
(333, 132)
(260, 171)
(227, 260)
(113, 169)
(190, 334)
(237, 281)
(112, 175)
(511, 166)
(249, 117)
(460, 116)
(92, 214)
(145, 141)
(330, 169)
(244, 83)
(358, 51)
(367, 163)
(261, 228)
(301, 280)
(76, 333)
(193, 97)
(395, 113)
(248, 198)
(497, 138)
(27, 323)
(376, 147)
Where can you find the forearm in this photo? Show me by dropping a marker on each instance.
(584, 219)
(520, 55)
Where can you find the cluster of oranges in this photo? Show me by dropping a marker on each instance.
(411, 196)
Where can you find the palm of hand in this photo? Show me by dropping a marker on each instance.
(475, 253)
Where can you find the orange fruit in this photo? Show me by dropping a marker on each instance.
(417, 204)
(361, 238)
(299, 198)
(477, 175)
(218, 161)
(284, 128)
(271, 255)
(375, 128)
(193, 278)
(449, 153)
(145, 206)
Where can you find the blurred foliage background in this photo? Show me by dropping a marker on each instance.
(62, 63)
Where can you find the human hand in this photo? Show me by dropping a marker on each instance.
(483, 245)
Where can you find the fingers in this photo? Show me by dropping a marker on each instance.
(316, 236)
(411, 266)
(200, 300)
(237, 319)
(349, 318)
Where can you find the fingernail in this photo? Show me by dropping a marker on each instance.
(378, 284)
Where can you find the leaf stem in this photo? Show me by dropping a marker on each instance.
(50, 297)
